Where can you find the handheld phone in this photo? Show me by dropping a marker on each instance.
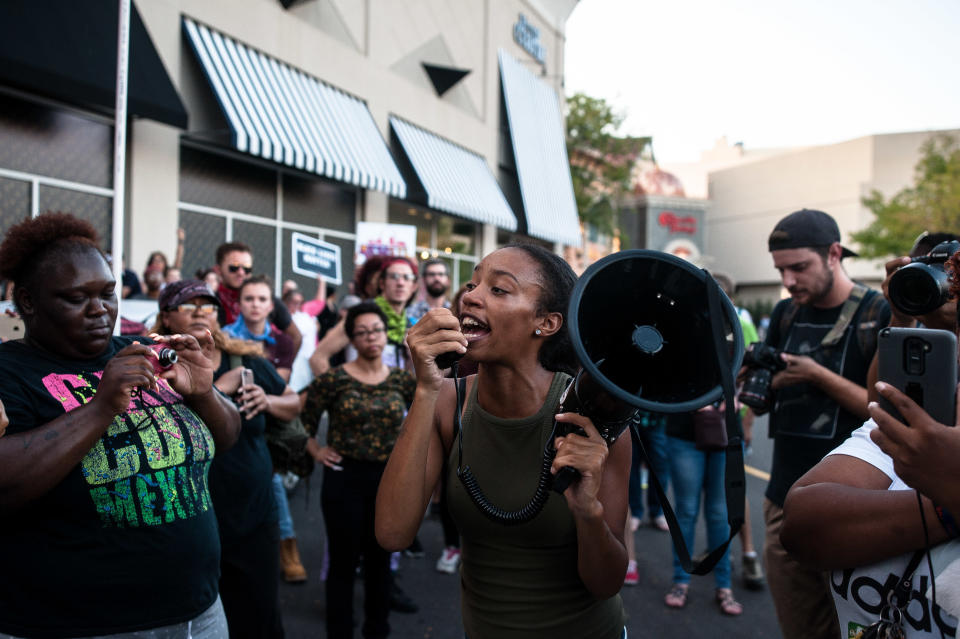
(246, 378)
(10, 327)
(921, 363)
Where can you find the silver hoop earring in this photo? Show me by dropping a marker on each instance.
(536, 332)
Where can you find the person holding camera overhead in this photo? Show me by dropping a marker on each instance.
(819, 347)
(557, 574)
(917, 298)
(894, 552)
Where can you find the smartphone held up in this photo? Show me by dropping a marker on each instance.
(246, 379)
(922, 364)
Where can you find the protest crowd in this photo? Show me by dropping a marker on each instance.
(164, 455)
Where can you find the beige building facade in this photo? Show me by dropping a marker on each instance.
(749, 196)
(440, 69)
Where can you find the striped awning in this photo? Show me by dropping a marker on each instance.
(280, 113)
(543, 170)
(455, 180)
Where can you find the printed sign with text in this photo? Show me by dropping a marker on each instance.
(312, 257)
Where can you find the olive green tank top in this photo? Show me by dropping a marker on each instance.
(520, 581)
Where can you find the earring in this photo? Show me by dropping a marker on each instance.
(536, 332)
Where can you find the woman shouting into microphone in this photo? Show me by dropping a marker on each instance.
(559, 573)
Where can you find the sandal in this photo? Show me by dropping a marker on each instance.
(728, 605)
(677, 597)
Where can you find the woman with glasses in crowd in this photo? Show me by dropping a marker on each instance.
(366, 400)
(107, 526)
(240, 481)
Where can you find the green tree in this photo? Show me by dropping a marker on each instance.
(600, 161)
(931, 204)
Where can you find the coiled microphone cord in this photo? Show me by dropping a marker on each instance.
(472, 486)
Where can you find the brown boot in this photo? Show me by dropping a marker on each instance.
(293, 570)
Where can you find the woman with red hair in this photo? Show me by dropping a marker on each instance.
(396, 287)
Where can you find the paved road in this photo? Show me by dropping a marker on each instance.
(438, 596)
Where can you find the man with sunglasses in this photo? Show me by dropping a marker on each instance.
(234, 265)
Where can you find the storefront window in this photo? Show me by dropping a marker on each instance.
(456, 235)
(223, 198)
(401, 213)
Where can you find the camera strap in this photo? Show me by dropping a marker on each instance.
(847, 312)
(734, 479)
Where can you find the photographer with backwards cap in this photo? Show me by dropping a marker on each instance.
(825, 336)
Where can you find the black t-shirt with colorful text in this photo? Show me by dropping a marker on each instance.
(128, 539)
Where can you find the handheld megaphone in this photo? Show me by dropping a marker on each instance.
(646, 338)
(651, 332)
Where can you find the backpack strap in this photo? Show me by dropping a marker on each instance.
(786, 320)
(868, 324)
(847, 312)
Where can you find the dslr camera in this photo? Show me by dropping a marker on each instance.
(923, 286)
(762, 363)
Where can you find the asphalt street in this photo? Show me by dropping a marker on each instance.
(437, 594)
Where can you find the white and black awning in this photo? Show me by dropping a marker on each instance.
(282, 114)
(454, 179)
(539, 147)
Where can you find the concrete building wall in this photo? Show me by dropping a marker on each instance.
(748, 199)
(369, 48)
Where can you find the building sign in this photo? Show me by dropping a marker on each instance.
(375, 238)
(311, 258)
(528, 37)
(677, 230)
(677, 223)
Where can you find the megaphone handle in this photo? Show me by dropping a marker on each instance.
(564, 477)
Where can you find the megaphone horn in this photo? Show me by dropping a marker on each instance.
(641, 328)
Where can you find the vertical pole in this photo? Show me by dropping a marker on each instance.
(120, 149)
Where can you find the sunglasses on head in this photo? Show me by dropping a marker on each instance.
(190, 308)
(246, 268)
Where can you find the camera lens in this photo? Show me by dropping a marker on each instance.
(918, 289)
(167, 357)
(756, 389)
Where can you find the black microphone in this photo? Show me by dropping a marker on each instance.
(446, 360)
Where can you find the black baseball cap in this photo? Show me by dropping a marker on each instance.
(176, 293)
(806, 228)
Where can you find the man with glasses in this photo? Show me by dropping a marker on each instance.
(234, 265)
(398, 285)
(436, 283)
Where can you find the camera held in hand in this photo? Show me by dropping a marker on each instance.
(762, 363)
(923, 286)
(166, 357)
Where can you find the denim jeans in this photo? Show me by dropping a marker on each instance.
(283, 508)
(654, 440)
(695, 472)
(210, 624)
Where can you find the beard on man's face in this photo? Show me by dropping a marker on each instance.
(436, 289)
